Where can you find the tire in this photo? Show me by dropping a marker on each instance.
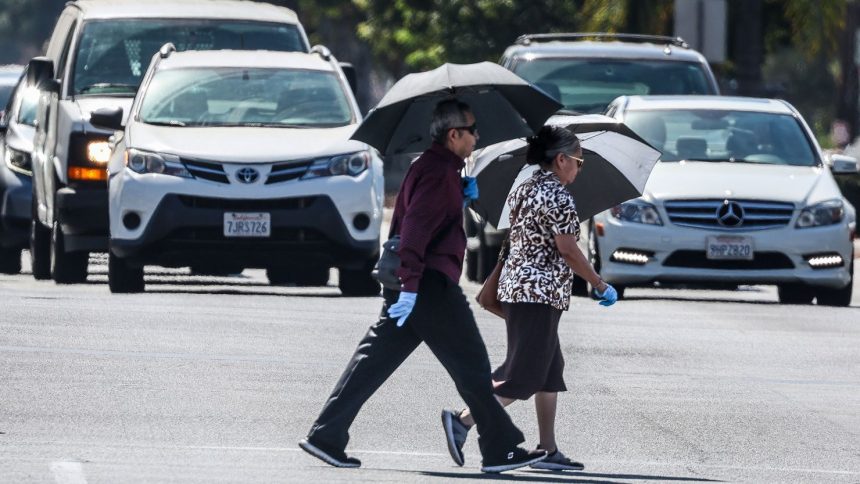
(66, 267)
(10, 261)
(358, 283)
(471, 260)
(580, 286)
(471, 263)
(795, 294)
(40, 250)
(837, 297)
(300, 276)
(122, 278)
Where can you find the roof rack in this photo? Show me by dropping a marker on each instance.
(660, 39)
(166, 50)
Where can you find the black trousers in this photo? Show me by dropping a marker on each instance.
(441, 319)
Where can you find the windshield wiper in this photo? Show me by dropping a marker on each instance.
(108, 85)
(170, 122)
(256, 125)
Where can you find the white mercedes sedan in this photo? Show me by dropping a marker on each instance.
(743, 194)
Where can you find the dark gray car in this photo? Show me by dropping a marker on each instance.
(585, 72)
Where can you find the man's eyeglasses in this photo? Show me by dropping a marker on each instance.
(471, 129)
(579, 161)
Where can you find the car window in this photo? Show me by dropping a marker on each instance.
(718, 135)
(589, 85)
(5, 92)
(245, 97)
(29, 106)
(112, 55)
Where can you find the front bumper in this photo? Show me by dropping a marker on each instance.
(678, 255)
(83, 216)
(306, 231)
(182, 222)
(16, 200)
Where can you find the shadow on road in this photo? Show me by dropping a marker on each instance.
(553, 476)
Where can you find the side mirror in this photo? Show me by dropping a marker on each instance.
(107, 118)
(351, 76)
(843, 165)
(40, 71)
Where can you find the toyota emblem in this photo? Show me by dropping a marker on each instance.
(247, 175)
(730, 214)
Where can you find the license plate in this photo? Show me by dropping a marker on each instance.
(243, 224)
(729, 247)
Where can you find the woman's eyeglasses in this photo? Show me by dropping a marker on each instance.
(471, 129)
(579, 161)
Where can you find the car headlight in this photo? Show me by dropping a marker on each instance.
(824, 213)
(98, 152)
(636, 211)
(19, 161)
(162, 164)
(352, 164)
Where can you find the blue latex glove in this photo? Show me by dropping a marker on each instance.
(609, 296)
(470, 189)
(403, 307)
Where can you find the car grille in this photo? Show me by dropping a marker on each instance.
(743, 214)
(206, 170)
(216, 234)
(282, 172)
(231, 205)
(697, 259)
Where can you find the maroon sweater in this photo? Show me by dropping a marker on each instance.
(428, 215)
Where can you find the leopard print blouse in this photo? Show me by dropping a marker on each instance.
(534, 270)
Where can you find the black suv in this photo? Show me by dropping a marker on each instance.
(585, 72)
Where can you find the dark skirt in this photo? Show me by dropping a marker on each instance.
(534, 362)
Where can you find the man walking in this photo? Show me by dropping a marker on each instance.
(429, 308)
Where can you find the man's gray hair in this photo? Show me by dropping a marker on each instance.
(448, 114)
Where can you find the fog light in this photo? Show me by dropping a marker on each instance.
(825, 261)
(628, 256)
(131, 220)
(361, 221)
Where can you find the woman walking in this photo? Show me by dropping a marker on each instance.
(535, 288)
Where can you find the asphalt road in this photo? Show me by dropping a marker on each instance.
(215, 380)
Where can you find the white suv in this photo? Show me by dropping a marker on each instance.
(234, 159)
(741, 195)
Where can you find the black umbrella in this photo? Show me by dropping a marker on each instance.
(505, 107)
(617, 165)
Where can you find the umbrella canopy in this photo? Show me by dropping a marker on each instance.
(617, 165)
(505, 107)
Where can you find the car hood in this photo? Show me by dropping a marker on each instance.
(90, 103)
(244, 144)
(700, 180)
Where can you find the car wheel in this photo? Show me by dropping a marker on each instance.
(300, 276)
(472, 255)
(359, 282)
(122, 278)
(10, 261)
(66, 267)
(40, 250)
(795, 294)
(837, 297)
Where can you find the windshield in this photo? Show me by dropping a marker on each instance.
(113, 54)
(245, 97)
(714, 135)
(589, 85)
